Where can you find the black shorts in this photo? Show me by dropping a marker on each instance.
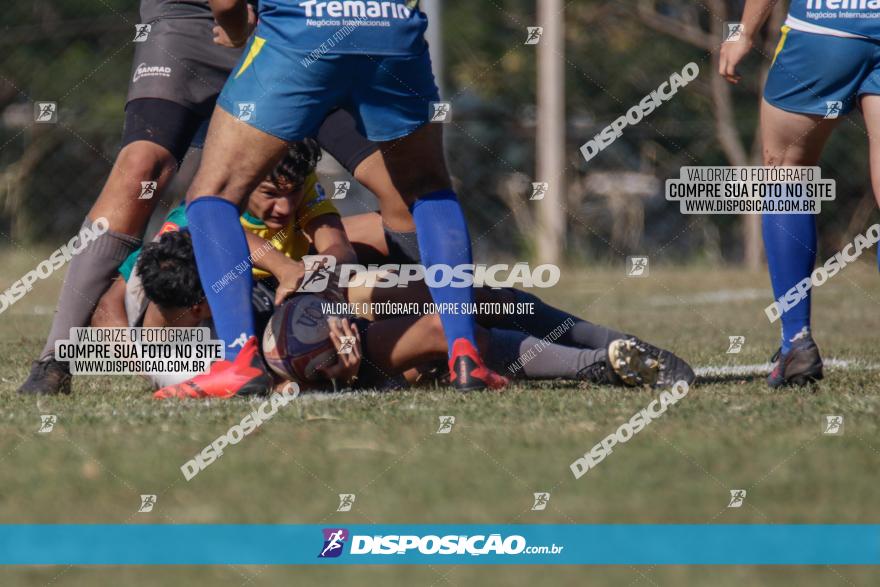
(162, 122)
(340, 137)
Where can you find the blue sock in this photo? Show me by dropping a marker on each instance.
(224, 263)
(790, 243)
(444, 240)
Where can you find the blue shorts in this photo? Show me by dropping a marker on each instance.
(822, 74)
(286, 93)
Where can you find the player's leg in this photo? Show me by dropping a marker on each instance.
(235, 159)
(155, 138)
(396, 345)
(392, 102)
(870, 104)
(417, 167)
(813, 81)
(790, 240)
(271, 109)
(396, 238)
(164, 108)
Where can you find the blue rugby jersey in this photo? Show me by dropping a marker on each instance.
(850, 17)
(372, 27)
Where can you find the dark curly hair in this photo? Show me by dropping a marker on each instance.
(300, 160)
(167, 268)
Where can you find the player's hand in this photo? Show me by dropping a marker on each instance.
(289, 281)
(732, 52)
(347, 340)
(222, 38)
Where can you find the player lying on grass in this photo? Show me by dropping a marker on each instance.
(396, 351)
(412, 345)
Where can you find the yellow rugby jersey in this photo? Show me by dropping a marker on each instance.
(292, 240)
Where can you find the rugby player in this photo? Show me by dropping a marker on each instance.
(177, 73)
(824, 66)
(373, 62)
(395, 352)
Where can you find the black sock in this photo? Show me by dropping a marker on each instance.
(546, 318)
(89, 275)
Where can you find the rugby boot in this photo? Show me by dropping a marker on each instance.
(672, 367)
(467, 371)
(48, 377)
(246, 375)
(627, 362)
(801, 365)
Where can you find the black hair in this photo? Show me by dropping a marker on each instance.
(167, 268)
(299, 161)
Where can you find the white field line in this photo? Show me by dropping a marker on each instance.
(712, 297)
(707, 371)
(721, 370)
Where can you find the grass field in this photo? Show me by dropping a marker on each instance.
(113, 443)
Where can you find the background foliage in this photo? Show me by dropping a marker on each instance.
(78, 53)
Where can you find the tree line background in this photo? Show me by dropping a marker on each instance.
(78, 53)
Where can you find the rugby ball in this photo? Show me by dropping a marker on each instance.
(296, 341)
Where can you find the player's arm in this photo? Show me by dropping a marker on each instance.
(232, 17)
(328, 237)
(110, 311)
(288, 272)
(754, 15)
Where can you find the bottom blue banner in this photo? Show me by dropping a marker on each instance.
(757, 544)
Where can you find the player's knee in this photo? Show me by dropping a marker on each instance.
(218, 184)
(144, 161)
(789, 156)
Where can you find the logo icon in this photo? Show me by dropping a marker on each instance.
(446, 424)
(541, 501)
(141, 32)
(247, 111)
(833, 425)
(334, 541)
(534, 35)
(318, 271)
(736, 344)
(346, 345)
(340, 189)
(46, 112)
(147, 503)
(637, 266)
(148, 190)
(240, 341)
(737, 496)
(346, 500)
(47, 423)
(735, 32)
(441, 112)
(539, 190)
(833, 108)
(144, 70)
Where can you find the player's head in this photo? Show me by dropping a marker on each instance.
(167, 268)
(275, 200)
